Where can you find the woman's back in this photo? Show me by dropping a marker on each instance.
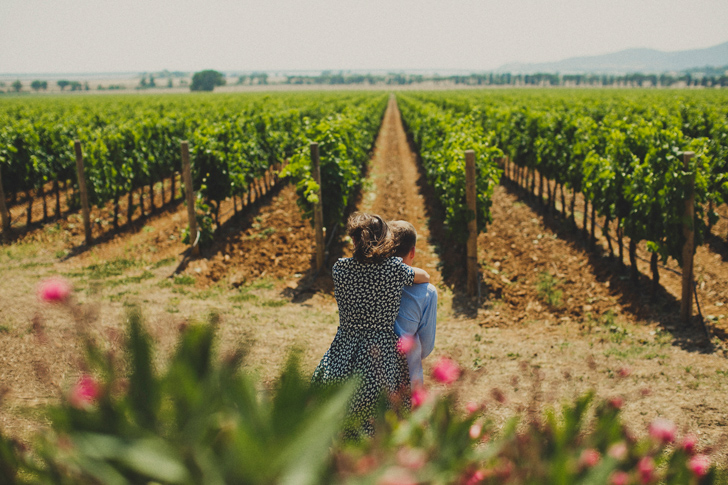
(369, 295)
(368, 290)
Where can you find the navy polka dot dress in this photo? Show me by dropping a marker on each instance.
(368, 296)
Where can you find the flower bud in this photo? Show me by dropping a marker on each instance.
(619, 478)
(663, 430)
(589, 458)
(699, 465)
(446, 371)
(419, 396)
(475, 431)
(646, 469)
(84, 392)
(54, 290)
(405, 344)
(689, 444)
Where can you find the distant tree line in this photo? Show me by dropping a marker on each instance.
(37, 85)
(207, 80)
(328, 77)
(255, 78)
(74, 85)
(508, 79)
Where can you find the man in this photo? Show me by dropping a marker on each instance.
(418, 310)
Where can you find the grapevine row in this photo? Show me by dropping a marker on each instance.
(441, 138)
(623, 152)
(133, 142)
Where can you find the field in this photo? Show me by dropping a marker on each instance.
(546, 303)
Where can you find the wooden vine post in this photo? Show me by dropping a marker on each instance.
(472, 248)
(190, 196)
(4, 214)
(686, 303)
(318, 212)
(82, 189)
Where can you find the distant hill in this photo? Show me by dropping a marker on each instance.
(630, 61)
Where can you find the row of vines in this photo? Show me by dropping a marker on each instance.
(132, 142)
(441, 137)
(622, 151)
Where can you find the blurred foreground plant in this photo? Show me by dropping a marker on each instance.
(202, 420)
(581, 443)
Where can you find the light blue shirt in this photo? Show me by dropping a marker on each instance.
(417, 316)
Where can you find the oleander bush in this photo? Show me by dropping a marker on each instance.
(200, 418)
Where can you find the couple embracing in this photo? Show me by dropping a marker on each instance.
(383, 300)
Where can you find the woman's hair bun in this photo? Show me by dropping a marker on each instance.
(372, 238)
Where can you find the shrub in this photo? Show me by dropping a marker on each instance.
(201, 420)
(204, 420)
(207, 80)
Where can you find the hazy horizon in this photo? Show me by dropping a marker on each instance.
(92, 37)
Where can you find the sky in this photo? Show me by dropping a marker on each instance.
(84, 36)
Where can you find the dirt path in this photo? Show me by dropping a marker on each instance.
(393, 191)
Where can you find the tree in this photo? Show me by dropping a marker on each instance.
(207, 80)
(17, 86)
(63, 84)
(38, 85)
(152, 84)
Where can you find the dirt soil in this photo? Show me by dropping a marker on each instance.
(552, 321)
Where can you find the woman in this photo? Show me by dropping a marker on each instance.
(368, 291)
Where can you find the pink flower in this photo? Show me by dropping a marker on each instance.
(618, 451)
(54, 290)
(646, 469)
(419, 396)
(663, 430)
(699, 465)
(446, 371)
(619, 478)
(471, 408)
(84, 392)
(475, 431)
(473, 478)
(689, 443)
(405, 344)
(616, 402)
(624, 372)
(589, 458)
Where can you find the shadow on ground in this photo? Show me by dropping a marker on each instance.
(642, 298)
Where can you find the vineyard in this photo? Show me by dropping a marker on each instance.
(129, 144)
(557, 297)
(622, 154)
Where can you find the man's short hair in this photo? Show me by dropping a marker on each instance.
(405, 237)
